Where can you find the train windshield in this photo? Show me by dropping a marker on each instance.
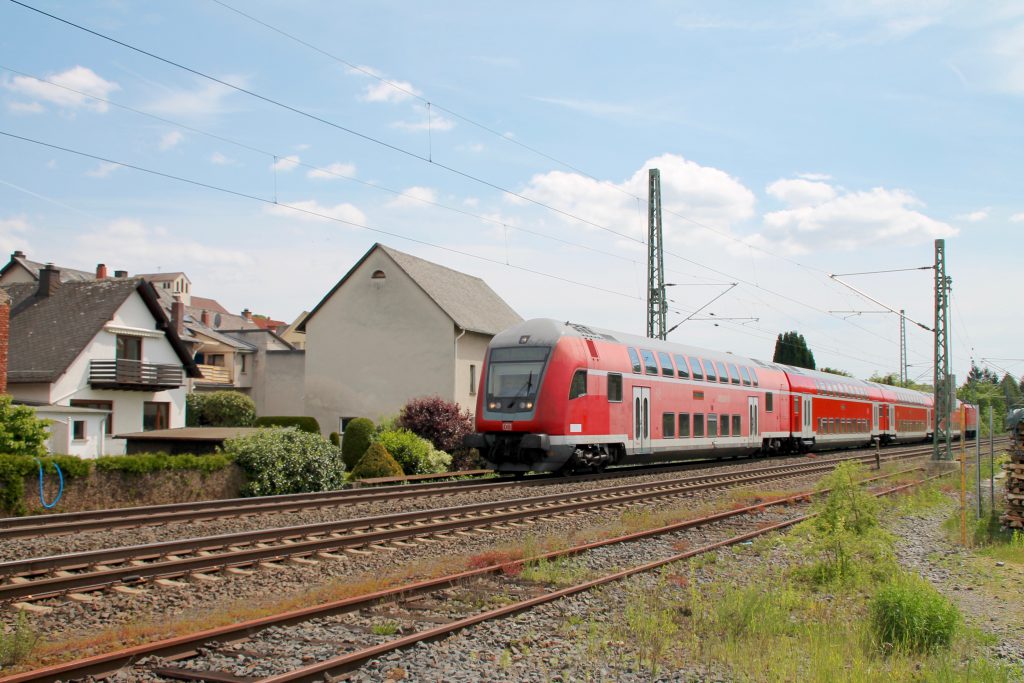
(515, 372)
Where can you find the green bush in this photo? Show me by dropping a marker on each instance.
(14, 469)
(281, 461)
(416, 455)
(21, 432)
(142, 463)
(909, 614)
(301, 422)
(335, 438)
(377, 462)
(17, 645)
(358, 434)
(219, 409)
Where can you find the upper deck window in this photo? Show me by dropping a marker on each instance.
(734, 374)
(666, 364)
(634, 359)
(696, 369)
(753, 377)
(723, 374)
(682, 368)
(650, 365)
(745, 375)
(709, 370)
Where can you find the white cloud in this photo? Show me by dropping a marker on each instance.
(814, 176)
(415, 196)
(170, 140)
(204, 100)
(136, 243)
(59, 90)
(973, 216)
(103, 170)
(332, 172)
(311, 210)
(12, 231)
(435, 122)
(384, 89)
(798, 192)
(219, 159)
(1017, 218)
(852, 220)
(25, 107)
(286, 164)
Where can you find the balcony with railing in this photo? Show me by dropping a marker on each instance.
(134, 375)
(215, 374)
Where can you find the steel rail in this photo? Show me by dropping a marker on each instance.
(98, 665)
(222, 552)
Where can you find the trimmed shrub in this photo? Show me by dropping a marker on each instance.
(301, 422)
(335, 438)
(358, 434)
(377, 462)
(438, 421)
(416, 455)
(219, 409)
(143, 463)
(911, 615)
(281, 461)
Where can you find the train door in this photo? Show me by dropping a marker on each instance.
(642, 419)
(752, 411)
(883, 418)
(808, 418)
(874, 418)
(892, 417)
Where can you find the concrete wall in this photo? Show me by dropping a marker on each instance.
(375, 344)
(472, 348)
(282, 392)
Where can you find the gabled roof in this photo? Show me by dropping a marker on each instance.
(211, 305)
(162, 277)
(18, 259)
(48, 333)
(467, 300)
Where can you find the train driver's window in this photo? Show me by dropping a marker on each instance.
(723, 374)
(696, 369)
(753, 376)
(745, 375)
(734, 374)
(579, 384)
(681, 367)
(614, 387)
(666, 364)
(634, 359)
(668, 425)
(650, 365)
(709, 370)
(684, 424)
(768, 401)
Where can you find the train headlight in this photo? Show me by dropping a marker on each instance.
(529, 405)
(526, 405)
(493, 405)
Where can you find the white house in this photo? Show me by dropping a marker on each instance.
(102, 345)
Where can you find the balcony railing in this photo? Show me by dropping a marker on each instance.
(134, 375)
(216, 374)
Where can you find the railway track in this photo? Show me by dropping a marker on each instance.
(12, 528)
(74, 575)
(419, 612)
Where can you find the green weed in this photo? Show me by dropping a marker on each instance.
(386, 628)
(17, 644)
(909, 614)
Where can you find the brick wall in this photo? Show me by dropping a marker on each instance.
(5, 322)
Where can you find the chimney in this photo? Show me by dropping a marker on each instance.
(247, 314)
(101, 271)
(178, 316)
(5, 321)
(49, 280)
(205, 318)
(120, 273)
(18, 254)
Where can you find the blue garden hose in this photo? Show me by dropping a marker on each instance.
(60, 493)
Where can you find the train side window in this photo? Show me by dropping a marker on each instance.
(753, 377)
(634, 359)
(737, 426)
(768, 406)
(666, 364)
(614, 387)
(681, 367)
(709, 370)
(668, 425)
(724, 421)
(696, 369)
(745, 375)
(712, 424)
(579, 384)
(821, 425)
(723, 374)
(650, 365)
(698, 425)
(684, 425)
(734, 374)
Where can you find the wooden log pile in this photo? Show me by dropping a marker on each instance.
(1014, 517)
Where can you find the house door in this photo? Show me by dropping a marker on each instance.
(752, 413)
(642, 419)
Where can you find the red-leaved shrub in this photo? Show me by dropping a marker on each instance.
(438, 421)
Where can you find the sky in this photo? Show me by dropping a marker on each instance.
(264, 147)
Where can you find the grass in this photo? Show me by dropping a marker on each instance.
(17, 644)
(909, 614)
(385, 628)
(560, 571)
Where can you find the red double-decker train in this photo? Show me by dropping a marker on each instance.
(561, 396)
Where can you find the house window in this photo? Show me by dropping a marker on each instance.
(128, 348)
(614, 387)
(98, 405)
(155, 415)
(668, 425)
(245, 363)
(378, 275)
(472, 379)
(78, 430)
(215, 359)
(579, 385)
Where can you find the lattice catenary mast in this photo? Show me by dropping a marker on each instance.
(656, 301)
(944, 387)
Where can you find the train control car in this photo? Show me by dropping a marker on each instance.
(561, 396)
